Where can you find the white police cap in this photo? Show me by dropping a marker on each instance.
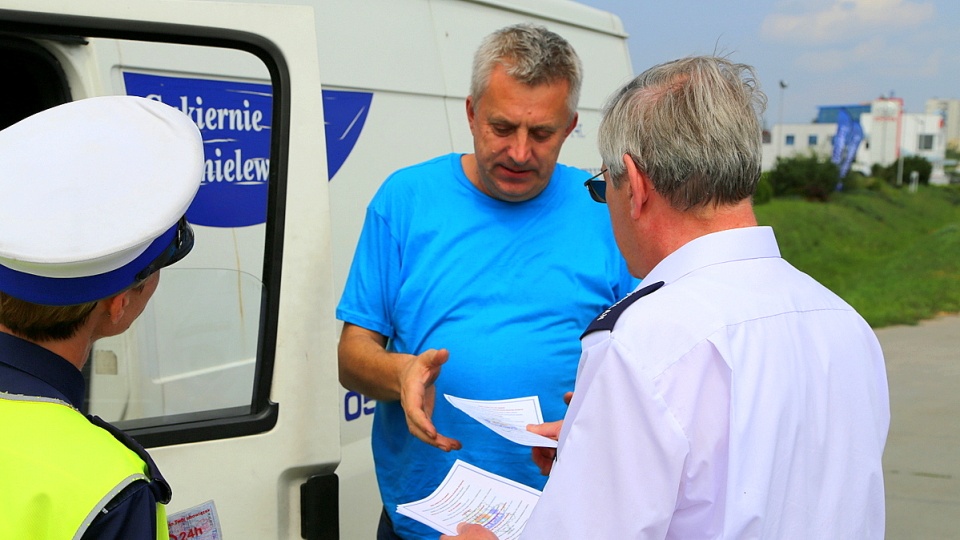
(92, 196)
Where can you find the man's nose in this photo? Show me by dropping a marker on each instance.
(520, 150)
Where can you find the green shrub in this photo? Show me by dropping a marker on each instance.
(873, 183)
(811, 176)
(910, 164)
(854, 181)
(857, 181)
(764, 192)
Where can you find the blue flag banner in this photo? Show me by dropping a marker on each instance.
(856, 135)
(846, 142)
(842, 138)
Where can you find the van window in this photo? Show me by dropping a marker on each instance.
(197, 355)
(197, 364)
(32, 80)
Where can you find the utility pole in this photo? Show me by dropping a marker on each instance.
(783, 86)
(900, 168)
(899, 147)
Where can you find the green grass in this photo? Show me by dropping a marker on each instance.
(893, 255)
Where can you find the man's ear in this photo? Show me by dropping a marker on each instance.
(572, 126)
(639, 184)
(470, 112)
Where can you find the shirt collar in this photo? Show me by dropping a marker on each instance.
(63, 378)
(716, 248)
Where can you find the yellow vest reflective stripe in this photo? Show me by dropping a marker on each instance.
(58, 471)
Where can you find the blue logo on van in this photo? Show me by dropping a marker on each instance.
(345, 114)
(235, 121)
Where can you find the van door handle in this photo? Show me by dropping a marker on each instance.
(320, 507)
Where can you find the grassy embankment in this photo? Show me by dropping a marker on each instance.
(893, 255)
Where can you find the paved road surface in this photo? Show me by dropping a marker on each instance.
(922, 459)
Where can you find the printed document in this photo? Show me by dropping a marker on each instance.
(472, 495)
(199, 523)
(507, 417)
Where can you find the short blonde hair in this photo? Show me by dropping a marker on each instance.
(38, 322)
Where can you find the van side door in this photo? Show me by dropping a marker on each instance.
(229, 378)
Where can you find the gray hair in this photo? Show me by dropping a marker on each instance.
(692, 126)
(530, 54)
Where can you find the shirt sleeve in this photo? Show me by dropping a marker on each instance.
(374, 279)
(620, 460)
(131, 514)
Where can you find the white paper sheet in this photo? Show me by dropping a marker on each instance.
(472, 495)
(507, 417)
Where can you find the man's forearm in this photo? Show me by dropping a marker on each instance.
(366, 366)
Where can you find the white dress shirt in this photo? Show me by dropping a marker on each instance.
(742, 399)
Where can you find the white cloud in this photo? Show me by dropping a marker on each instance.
(931, 66)
(834, 60)
(844, 19)
(873, 57)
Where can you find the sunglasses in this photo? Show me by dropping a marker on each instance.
(181, 245)
(597, 187)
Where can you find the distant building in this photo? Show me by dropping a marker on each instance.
(949, 112)
(888, 133)
(788, 140)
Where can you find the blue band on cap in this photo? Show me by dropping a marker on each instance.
(50, 291)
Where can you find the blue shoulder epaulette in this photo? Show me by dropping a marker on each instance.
(608, 318)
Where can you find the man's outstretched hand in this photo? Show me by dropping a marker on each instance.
(418, 394)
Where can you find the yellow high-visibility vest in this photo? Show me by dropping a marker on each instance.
(58, 471)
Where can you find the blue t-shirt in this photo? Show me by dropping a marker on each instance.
(506, 287)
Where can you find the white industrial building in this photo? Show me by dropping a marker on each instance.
(888, 134)
(949, 111)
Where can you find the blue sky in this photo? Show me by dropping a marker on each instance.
(828, 52)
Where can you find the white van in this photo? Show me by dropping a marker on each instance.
(230, 376)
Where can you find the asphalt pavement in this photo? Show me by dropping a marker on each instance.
(921, 462)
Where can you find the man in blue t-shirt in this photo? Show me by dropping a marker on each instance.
(488, 265)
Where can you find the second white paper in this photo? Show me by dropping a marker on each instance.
(507, 417)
